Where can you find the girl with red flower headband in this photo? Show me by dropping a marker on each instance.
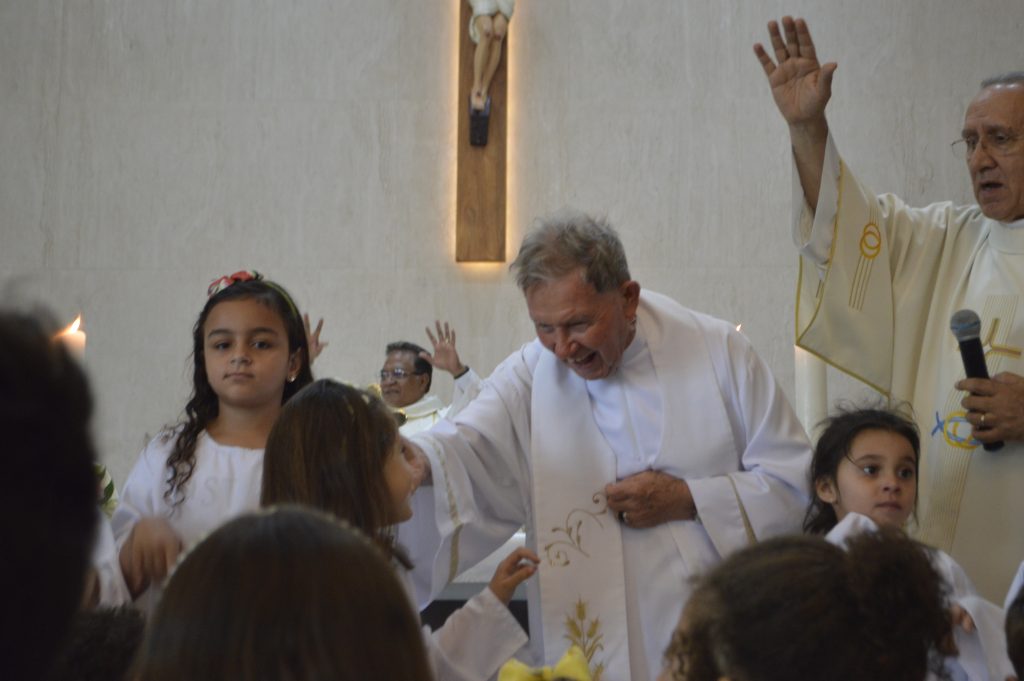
(250, 355)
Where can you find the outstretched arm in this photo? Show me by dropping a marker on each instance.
(801, 88)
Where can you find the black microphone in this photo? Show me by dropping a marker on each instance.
(966, 327)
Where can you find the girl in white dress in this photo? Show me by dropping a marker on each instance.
(864, 475)
(337, 448)
(250, 356)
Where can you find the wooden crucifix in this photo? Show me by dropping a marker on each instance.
(483, 120)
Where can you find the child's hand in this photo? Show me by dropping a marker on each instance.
(513, 571)
(149, 554)
(313, 337)
(418, 462)
(961, 618)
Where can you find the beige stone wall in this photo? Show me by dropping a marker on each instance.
(148, 146)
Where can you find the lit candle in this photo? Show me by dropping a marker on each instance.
(811, 388)
(74, 339)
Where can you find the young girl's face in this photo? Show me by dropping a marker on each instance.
(245, 345)
(399, 478)
(878, 478)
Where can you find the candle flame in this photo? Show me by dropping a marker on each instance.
(73, 327)
(739, 327)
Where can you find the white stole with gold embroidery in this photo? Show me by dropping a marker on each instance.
(582, 576)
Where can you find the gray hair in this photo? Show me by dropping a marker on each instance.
(566, 241)
(1009, 78)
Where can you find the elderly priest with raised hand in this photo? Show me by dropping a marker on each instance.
(880, 281)
(637, 440)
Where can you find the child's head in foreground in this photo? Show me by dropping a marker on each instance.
(802, 608)
(287, 594)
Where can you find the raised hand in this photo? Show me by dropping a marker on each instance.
(445, 356)
(800, 85)
(313, 338)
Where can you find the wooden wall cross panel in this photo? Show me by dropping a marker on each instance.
(480, 193)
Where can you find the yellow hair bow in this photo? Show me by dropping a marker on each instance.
(572, 667)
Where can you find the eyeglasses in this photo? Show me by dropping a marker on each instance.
(398, 374)
(999, 142)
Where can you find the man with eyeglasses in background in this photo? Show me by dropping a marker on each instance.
(408, 372)
(880, 280)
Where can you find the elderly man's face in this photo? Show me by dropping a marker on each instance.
(587, 330)
(399, 386)
(995, 124)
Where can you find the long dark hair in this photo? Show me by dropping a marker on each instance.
(327, 450)
(203, 405)
(287, 593)
(834, 444)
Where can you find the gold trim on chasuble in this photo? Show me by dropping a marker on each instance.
(950, 458)
(870, 246)
(866, 244)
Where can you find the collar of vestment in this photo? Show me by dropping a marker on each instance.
(425, 406)
(1008, 237)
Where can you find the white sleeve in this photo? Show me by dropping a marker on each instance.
(467, 387)
(105, 560)
(476, 639)
(480, 469)
(769, 493)
(142, 495)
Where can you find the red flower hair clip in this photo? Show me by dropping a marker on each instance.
(218, 285)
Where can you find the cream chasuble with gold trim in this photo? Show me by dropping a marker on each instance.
(528, 452)
(880, 309)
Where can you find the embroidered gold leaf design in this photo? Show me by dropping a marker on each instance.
(558, 551)
(590, 642)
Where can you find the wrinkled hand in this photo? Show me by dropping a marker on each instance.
(651, 498)
(445, 356)
(418, 462)
(517, 567)
(800, 85)
(313, 338)
(1000, 400)
(149, 554)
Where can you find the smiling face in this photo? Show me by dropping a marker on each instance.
(877, 478)
(245, 349)
(587, 330)
(400, 386)
(994, 126)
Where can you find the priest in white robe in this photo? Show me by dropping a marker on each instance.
(879, 281)
(637, 441)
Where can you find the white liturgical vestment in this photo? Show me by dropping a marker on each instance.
(692, 400)
(879, 282)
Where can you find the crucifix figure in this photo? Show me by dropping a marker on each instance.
(487, 28)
